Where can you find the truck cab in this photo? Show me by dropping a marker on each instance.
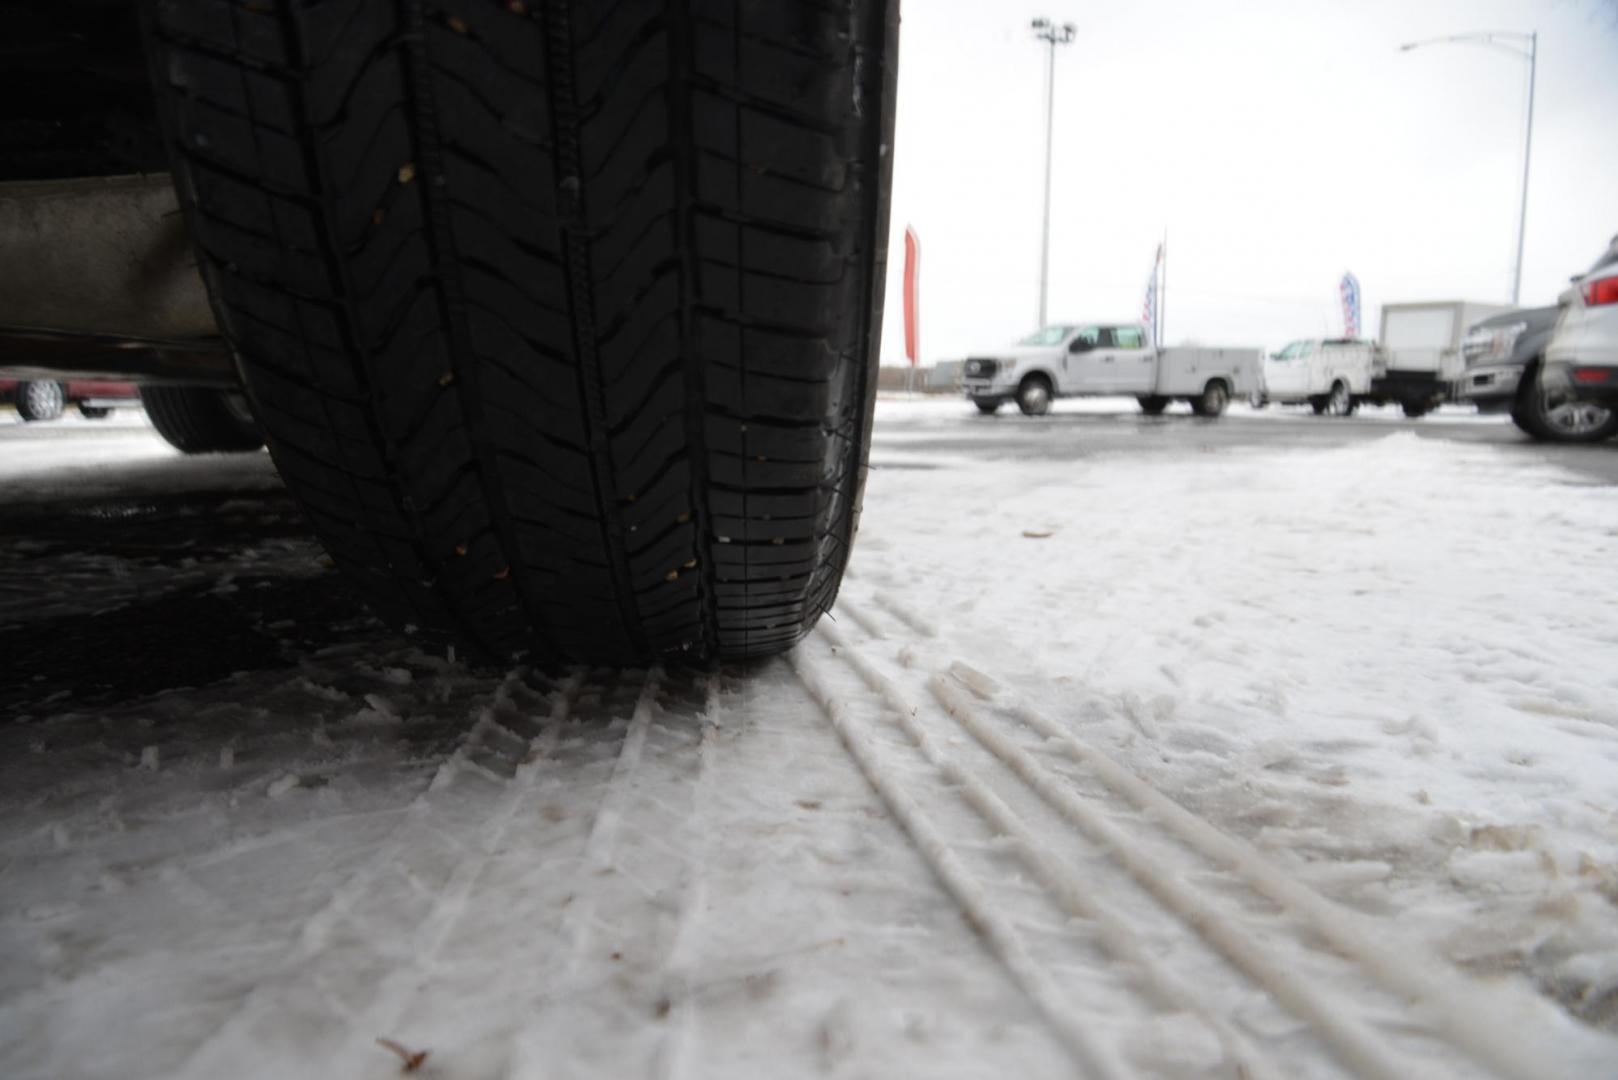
(1332, 375)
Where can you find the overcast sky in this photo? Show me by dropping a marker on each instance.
(1278, 143)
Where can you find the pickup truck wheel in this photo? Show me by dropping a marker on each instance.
(197, 420)
(94, 412)
(561, 319)
(1212, 402)
(1339, 402)
(1034, 396)
(1415, 410)
(1153, 406)
(41, 400)
(988, 406)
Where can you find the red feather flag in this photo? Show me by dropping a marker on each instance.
(912, 296)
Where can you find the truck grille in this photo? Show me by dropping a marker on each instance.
(981, 369)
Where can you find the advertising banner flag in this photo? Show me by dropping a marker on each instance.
(912, 296)
(1350, 291)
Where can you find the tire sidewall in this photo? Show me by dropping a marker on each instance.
(44, 400)
(1034, 396)
(1339, 403)
(1536, 419)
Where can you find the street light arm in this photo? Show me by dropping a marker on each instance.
(1494, 39)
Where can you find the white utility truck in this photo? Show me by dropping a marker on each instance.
(1109, 359)
(1421, 352)
(1333, 375)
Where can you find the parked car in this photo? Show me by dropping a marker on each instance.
(1091, 360)
(1332, 375)
(47, 399)
(1497, 351)
(1575, 391)
(1574, 395)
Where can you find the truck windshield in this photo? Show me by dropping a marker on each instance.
(1051, 335)
(1296, 351)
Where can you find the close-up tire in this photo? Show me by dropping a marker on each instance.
(1153, 406)
(1034, 395)
(43, 400)
(560, 320)
(94, 412)
(199, 420)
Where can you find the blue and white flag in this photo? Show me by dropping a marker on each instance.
(1350, 291)
(1148, 312)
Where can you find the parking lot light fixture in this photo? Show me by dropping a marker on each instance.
(1052, 35)
(1525, 47)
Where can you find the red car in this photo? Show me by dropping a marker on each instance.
(47, 400)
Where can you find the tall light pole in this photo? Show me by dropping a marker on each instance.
(1052, 35)
(1513, 43)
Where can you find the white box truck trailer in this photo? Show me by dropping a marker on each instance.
(1110, 359)
(1420, 352)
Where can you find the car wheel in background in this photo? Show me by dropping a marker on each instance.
(561, 320)
(988, 406)
(41, 400)
(198, 420)
(1318, 405)
(94, 412)
(1213, 400)
(1415, 410)
(1034, 395)
(1152, 405)
(1558, 418)
(1257, 400)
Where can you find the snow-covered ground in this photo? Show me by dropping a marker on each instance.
(1263, 761)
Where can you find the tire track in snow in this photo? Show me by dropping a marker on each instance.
(637, 893)
(217, 1054)
(967, 890)
(680, 964)
(914, 621)
(451, 902)
(1070, 891)
(603, 835)
(1483, 1021)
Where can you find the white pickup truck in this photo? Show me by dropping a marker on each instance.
(1331, 374)
(1099, 359)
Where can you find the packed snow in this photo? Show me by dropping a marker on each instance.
(1215, 760)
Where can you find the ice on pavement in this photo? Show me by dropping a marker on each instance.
(1268, 761)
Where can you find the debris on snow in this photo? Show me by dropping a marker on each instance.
(409, 1060)
(280, 787)
(151, 758)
